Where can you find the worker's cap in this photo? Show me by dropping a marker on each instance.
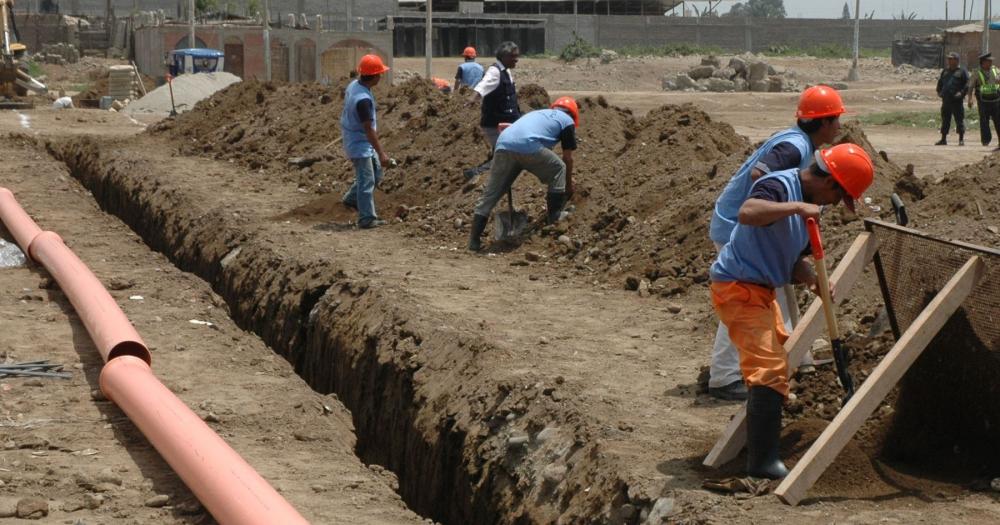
(986, 56)
(953, 55)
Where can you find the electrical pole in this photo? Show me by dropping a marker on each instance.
(191, 37)
(267, 40)
(986, 26)
(428, 42)
(854, 75)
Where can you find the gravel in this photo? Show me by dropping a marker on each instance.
(189, 89)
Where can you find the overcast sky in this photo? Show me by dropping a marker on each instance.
(931, 9)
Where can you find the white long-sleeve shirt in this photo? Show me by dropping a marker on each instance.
(491, 79)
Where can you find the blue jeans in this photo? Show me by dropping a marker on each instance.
(361, 194)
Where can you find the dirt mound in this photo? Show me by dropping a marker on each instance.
(534, 96)
(644, 186)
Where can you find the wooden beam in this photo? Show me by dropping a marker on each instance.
(810, 325)
(885, 376)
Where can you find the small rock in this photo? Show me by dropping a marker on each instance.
(517, 441)
(211, 418)
(8, 507)
(995, 485)
(117, 283)
(93, 501)
(683, 81)
(543, 340)
(661, 511)
(608, 56)
(532, 256)
(631, 283)
(554, 474)
(757, 72)
(189, 507)
(458, 223)
(97, 395)
(157, 501)
(546, 434)
(317, 488)
(108, 476)
(993, 229)
(34, 382)
(674, 308)
(700, 72)
(32, 508)
(711, 60)
(566, 241)
(644, 288)
(839, 86)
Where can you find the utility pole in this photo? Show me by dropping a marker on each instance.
(854, 75)
(267, 40)
(428, 42)
(986, 25)
(192, 43)
(965, 6)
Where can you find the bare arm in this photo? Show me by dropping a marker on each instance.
(756, 174)
(760, 212)
(372, 135)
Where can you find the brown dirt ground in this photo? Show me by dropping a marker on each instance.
(83, 456)
(624, 366)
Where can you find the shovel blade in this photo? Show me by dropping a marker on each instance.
(509, 225)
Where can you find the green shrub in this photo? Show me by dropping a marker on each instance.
(578, 48)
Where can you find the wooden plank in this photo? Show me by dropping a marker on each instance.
(885, 376)
(810, 325)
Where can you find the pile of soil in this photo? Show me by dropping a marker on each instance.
(962, 204)
(645, 187)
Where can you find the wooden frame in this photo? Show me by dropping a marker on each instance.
(885, 376)
(845, 276)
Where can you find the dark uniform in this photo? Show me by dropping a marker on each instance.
(952, 87)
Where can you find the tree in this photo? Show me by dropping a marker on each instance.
(759, 9)
(847, 12)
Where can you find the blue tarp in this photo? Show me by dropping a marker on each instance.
(995, 25)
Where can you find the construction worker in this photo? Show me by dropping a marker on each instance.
(986, 89)
(526, 145)
(442, 85)
(469, 72)
(766, 252)
(499, 99)
(359, 127)
(952, 87)
(818, 123)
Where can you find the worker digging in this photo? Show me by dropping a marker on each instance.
(818, 122)
(359, 127)
(525, 145)
(764, 254)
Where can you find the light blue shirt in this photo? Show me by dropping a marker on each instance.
(727, 207)
(534, 131)
(472, 73)
(765, 255)
(356, 144)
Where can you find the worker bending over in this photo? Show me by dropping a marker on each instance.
(526, 145)
(767, 251)
(818, 123)
(359, 127)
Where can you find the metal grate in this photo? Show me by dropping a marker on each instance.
(912, 267)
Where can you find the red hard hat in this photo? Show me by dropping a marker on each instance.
(568, 104)
(850, 166)
(371, 65)
(818, 102)
(469, 52)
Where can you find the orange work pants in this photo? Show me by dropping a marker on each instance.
(753, 318)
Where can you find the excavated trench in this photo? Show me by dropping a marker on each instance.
(421, 406)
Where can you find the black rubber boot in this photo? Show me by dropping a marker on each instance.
(763, 433)
(942, 142)
(554, 202)
(478, 226)
(961, 139)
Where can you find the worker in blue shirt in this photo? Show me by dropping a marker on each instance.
(359, 129)
(767, 250)
(469, 72)
(818, 123)
(526, 145)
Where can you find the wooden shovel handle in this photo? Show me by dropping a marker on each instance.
(822, 280)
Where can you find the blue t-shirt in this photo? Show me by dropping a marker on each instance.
(766, 255)
(352, 127)
(539, 129)
(469, 73)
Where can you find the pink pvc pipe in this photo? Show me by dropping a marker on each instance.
(17, 221)
(228, 487)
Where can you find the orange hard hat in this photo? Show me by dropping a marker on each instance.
(818, 102)
(850, 166)
(371, 65)
(469, 52)
(441, 83)
(568, 104)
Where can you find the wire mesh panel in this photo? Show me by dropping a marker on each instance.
(913, 266)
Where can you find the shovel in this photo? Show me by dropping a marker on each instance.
(840, 357)
(509, 224)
